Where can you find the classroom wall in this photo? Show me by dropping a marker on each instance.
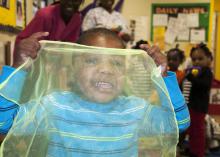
(143, 8)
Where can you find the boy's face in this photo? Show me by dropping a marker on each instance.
(100, 77)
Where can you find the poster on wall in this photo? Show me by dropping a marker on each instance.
(5, 3)
(182, 21)
(12, 15)
(19, 13)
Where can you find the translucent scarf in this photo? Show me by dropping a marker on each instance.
(78, 100)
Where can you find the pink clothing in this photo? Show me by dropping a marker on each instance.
(49, 20)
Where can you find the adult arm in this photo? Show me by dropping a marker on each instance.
(26, 42)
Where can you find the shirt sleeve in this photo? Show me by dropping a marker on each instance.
(89, 21)
(123, 24)
(161, 119)
(178, 101)
(8, 109)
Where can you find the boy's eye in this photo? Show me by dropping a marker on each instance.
(117, 63)
(91, 61)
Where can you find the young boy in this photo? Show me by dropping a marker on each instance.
(100, 116)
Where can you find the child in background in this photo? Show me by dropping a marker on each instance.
(102, 122)
(139, 43)
(175, 57)
(196, 89)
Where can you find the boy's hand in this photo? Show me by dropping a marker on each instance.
(2, 137)
(28, 47)
(159, 58)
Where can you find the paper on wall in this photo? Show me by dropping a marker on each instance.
(197, 35)
(160, 19)
(193, 20)
(183, 30)
(170, 36)
(183, 35)
(182, 22)
(141, 27)
(172, 30)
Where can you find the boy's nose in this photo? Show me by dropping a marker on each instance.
(106, 68)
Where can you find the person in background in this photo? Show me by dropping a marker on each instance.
(105, 16)
(59, 22)
(196, 89)
(175, 57)
(139, 43)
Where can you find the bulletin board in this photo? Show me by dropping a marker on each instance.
(180, 22)
(12, 15)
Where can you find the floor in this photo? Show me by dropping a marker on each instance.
(212, 153)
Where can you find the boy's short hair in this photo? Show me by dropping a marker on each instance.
(91, 33)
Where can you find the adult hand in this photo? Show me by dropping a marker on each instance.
(28, 47)
(159, 58)
(2, 137)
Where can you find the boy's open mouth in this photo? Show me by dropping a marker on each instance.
(104, 85)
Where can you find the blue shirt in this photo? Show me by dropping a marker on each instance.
(120, 122)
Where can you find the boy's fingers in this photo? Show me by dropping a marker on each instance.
(39, 35)
(145, 47)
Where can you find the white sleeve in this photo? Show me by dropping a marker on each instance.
(89, 21)
(123, 24)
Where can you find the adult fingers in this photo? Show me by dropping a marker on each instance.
(39, 35)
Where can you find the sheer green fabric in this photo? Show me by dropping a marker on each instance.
(79, 100)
